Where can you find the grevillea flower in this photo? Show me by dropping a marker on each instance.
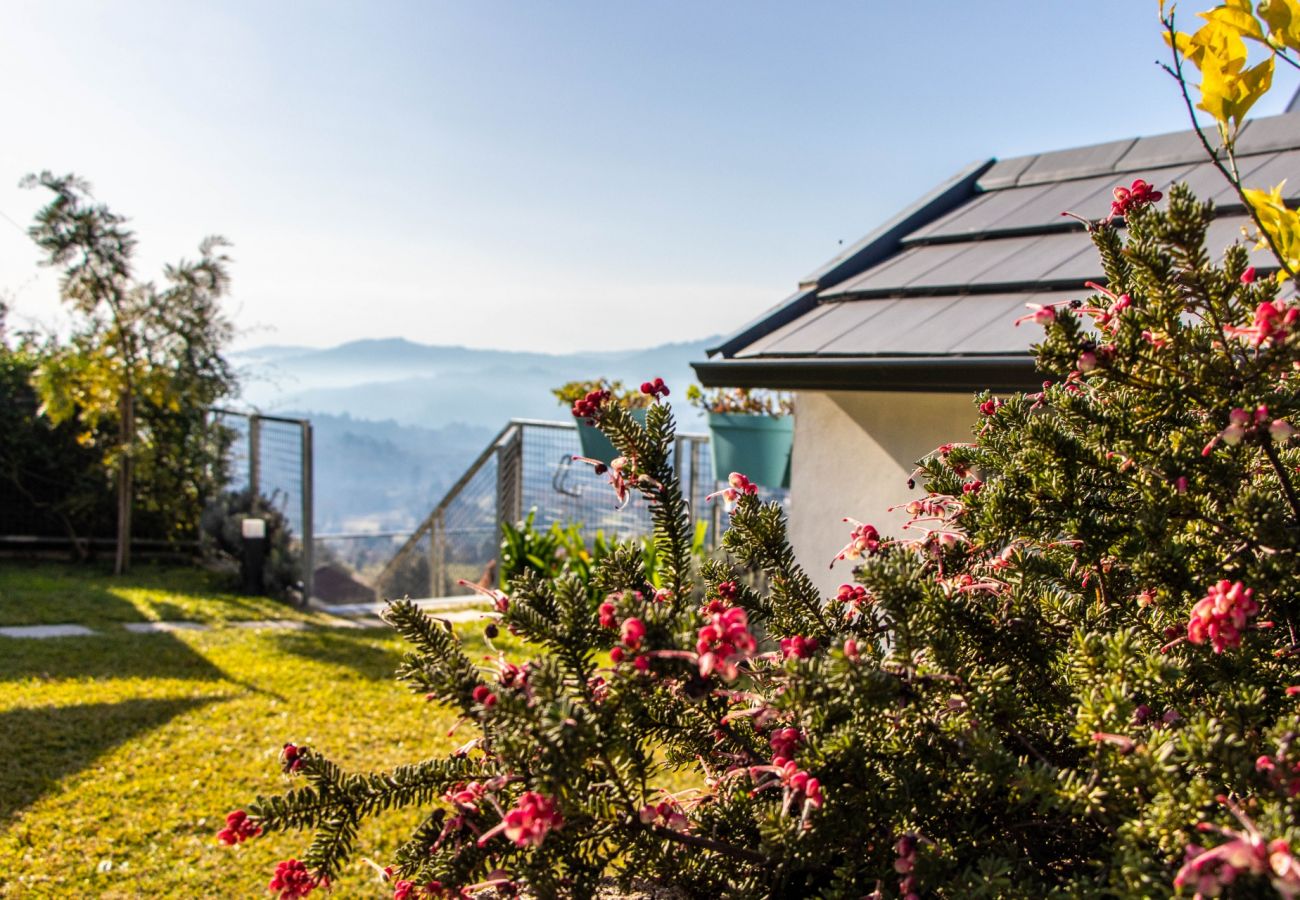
(589, 406)
(291, 880)
(1139, 193)
(1246, 852)
(465, 796)
(632, 632)
(1273, 321)
(528, 823)
(1221, 615)
(404, 890)
(1248, 276)
(1042, 314)
(291, 757)
(606, 612)
(863, 539)
(239, 828)
(666, 813)
(723, 641)
(620, 472)
(656, 388)
(990, 406)
(785, 741)
(798, 647)
(483, 694)
(737, 486)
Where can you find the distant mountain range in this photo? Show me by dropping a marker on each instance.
(431, 386)
(396, 422)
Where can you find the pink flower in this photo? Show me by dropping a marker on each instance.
(632, 632)
(528, 823)
(239, 828)
(620, 475)
(589, 406)
(972, 487)
(1221, 615)
(656, 388)
(798, 647)
(1281, 430)
(403, 890)
(990, 406)
(1139, 193)
(1248, 276)
(863, 539)
(606, 611)
(291, 880)
(723, 641)
(785, 741)
(851, 649)
(291, 758)
(483, 694)
(1273, 321)
(737, 486)
(1041, 315)
(465, 796)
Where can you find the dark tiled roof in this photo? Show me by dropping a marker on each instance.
(927, 301)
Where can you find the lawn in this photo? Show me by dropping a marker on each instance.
(121, 753)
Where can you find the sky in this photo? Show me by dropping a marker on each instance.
(546, 176)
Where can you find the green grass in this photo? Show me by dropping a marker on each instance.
(120, 754)
(46, 594)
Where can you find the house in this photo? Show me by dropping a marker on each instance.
(885, 344)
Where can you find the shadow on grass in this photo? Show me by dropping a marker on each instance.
(41, 746)
(109, 655)
(347, 649)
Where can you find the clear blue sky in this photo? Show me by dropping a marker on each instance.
(541, 175)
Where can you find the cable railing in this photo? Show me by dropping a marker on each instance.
(528, 467)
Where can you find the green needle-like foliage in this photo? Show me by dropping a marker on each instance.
(1068, 678)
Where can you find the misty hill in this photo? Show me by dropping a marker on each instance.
(397, 422)
(432, 386)
(382, 476)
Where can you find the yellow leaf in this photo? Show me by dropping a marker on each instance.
(1236, 15)
(1282, 225)
(1283, 20)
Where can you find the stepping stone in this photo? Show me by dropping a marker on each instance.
(46, 631)
(156, 627)
(282, 624)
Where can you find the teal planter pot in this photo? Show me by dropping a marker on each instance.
(594, 443)
(758, 447)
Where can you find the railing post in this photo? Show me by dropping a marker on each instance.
(307, 478)
(254, 457)
(438, 586)
(510, 481)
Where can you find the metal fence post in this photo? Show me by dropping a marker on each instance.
(308, 512)
(438, 586)
(254, 457)
(510, 480)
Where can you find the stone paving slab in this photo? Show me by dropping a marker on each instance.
(156, 627)
(46, 631)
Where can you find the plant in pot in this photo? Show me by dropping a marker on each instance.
(749, 431)
(582, 396)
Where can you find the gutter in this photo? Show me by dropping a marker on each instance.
(930, 374)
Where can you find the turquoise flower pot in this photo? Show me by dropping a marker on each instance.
(594, 443)
(758, 447)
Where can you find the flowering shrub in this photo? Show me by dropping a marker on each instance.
(1072, 673)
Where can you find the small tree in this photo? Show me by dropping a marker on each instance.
(143, 363)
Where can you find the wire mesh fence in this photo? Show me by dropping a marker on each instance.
(529, 468)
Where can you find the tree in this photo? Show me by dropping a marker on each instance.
(143, 363)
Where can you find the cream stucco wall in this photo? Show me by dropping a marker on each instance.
(853, 453)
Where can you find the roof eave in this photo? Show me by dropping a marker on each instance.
(930, 374)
